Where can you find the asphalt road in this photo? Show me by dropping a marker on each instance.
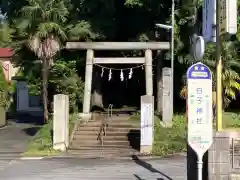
(91, 169)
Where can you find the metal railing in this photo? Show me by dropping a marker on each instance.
(104, 126)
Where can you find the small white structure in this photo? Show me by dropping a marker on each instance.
(147, 124)
(60, 122)
(166, 98)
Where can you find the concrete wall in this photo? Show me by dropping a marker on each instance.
(219, 164)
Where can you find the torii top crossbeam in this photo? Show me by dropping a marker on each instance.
(118, 45)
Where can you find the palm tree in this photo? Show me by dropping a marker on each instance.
(41, 24)
(230, 77)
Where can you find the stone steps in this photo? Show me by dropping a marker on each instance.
(112, 137)
(109, 132)
(109, 128)
(110, 124)
(102, 153)
(96, 142)
(85, 141)
(99, 147)
(117, 132)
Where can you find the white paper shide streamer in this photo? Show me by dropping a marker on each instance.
(102, 72)
(121, 75)
(110, 75)
(130, 74)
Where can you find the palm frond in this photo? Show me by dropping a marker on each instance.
(183, 92)
(44, 29)
(31, 11)
(46, 48)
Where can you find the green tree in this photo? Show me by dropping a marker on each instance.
(231, 64)
(6, 34)
(41, 27)
(63, 79)
(231, 78)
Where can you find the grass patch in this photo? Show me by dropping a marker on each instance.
(231, 120)
(168, 140)
(41, 143)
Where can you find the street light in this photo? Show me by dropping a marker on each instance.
(164, 26)
(171, 27)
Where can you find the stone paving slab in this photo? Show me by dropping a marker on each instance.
(94, 169)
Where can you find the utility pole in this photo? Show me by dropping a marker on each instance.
(171, 27)
(172, 56)
(226, 24)
(218, 68)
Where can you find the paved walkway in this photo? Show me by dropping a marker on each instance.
(93, 169)
(14, 138)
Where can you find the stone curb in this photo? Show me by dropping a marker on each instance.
(175, 155)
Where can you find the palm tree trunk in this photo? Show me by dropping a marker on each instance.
(45, 69)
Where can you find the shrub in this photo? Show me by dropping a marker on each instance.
(168, 140)
(65, 80)
(4, 91)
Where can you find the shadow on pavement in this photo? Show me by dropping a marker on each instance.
(32, 130)
(139, 178)
(28, 124)
(148, 167)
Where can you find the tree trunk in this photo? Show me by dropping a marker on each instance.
(45, 69)
(159, 82)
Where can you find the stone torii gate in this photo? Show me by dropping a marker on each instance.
(90, 60)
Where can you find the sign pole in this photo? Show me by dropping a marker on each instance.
(200, 166)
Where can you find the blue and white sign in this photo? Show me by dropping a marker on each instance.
(200, 117)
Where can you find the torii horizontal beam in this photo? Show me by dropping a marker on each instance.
(126, 60)
(118, 45)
